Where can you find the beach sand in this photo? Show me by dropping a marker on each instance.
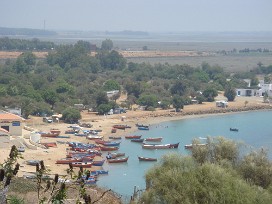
(105, 123)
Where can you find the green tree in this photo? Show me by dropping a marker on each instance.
(178, 103)
(111, 85)
(101, 98)
(210, 93)
(71, 115)
(50, 97)
(107, 45)
(179, 88)
(29, 58)
(103, 109)
(230, 93)
(148, 101)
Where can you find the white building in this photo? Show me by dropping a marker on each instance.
(11, 123)
(246, 92)
(265, 88)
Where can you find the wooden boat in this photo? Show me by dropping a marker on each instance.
(115, 138)
(71, 131)
(49, 134)
(137, 140)
(133, 137)
(81, 134)
(118, 160)
(33, 162)
(234, 129)
(94, 137)
(160, 146)
(114, 155)
(101, 141)
(67, 161)
(121, 127)
(98, 163)
(190, 146)
(97, 172)
(141, 125)
(82, 164)
(49, 144)
(143, 128)
(147, 159)
(53, 130)
(111, 144)
(103, 148)
(153, 139)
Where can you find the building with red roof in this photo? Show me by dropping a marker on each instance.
(10, 123)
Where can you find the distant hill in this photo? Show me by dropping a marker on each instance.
(26, 32)
(127, 32)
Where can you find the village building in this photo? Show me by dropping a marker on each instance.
(10, 124)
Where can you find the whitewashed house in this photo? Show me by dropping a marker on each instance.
(246, 92)
(264, 88)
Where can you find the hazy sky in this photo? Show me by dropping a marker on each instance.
(138, 15)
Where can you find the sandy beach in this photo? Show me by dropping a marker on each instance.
(105, 123)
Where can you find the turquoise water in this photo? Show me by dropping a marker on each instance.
(255, 129)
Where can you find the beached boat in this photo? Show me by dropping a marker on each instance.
(98, 163)
(53, 130)
(82, 164)
(115, 138)
(98, 141)
(118, 160)
(137, 140)
(121, 127)
(153, 139)
(133, 137)
(33, 162)
(67, 161)
(143, 128)
(103, 148)
(141, 125)
(81, 134)
(94, 137)
(49, 134)
(49, 144)
(160, 146)
(71, 131)
(234, 129)
(147, 159)
(190, 146)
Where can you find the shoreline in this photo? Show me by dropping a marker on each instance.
(49, 156)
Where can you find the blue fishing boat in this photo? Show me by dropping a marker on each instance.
(137, 140)
(111, 144)
(143, 128)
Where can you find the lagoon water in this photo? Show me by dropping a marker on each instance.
(255, 129)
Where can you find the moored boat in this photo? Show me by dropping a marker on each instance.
(234, 129)
(98, 163)
(103, 148)
(137, 140)
(143, 128)
(115, 138)
(160, 146)
(147, 159)
(115, 155)
(153, 139)
(111, 144)
(67, 161)
(133, 137)
(99, 172)
(190, 146)
(118, 160)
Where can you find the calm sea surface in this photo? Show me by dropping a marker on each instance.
(255, 129)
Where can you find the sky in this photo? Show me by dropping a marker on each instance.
(139, 15)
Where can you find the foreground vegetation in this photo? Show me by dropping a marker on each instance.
(216, 173)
